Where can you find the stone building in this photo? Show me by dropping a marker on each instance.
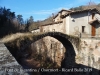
(86, 22)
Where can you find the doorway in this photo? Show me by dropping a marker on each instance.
(93, 30)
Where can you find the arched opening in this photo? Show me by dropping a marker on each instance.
(49, 48)
(69, 59)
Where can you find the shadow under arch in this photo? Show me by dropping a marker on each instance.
(70, 54)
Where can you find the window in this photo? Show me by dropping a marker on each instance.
(83, 29)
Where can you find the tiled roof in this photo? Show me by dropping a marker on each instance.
(94, 21)
(52, 23)
(61, 11)
(80, 11)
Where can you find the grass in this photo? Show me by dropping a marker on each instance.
(17, 39)
(13, 37)
(20, 36)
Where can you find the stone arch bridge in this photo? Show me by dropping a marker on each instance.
(71, 43)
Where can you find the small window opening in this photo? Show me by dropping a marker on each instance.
(83, 29)
(51, 46)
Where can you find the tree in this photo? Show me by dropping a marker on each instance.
(8, 23)
(27, 25)
(20, 19)
(12, 15)
(31, 20)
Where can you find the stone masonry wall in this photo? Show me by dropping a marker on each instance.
(89, 53)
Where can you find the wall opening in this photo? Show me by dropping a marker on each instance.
(83, 29)
(51, 46)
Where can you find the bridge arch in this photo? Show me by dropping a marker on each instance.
(66, 40)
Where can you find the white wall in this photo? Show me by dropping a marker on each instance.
(67, 24)
(76, 21)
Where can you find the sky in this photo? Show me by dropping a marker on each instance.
(41, 9)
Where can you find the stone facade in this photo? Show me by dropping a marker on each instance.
(86, 22)
(79, 23)
(59, 27)
(89, 54)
